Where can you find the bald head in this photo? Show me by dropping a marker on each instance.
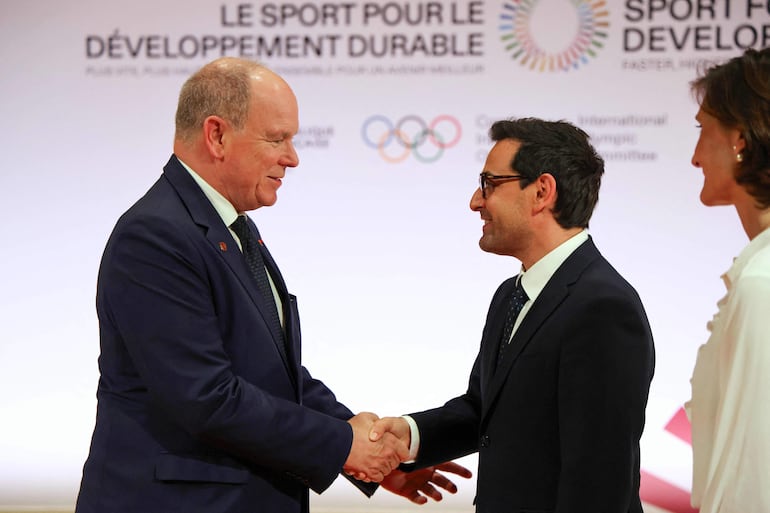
(221, 88)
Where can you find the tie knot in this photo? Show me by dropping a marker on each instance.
(240, 225)
(241, 228)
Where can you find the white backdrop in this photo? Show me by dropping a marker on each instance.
(379, 245)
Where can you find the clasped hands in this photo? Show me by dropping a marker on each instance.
(380, 445)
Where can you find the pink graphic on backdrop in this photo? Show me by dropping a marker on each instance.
(679, 426)
(660, 493)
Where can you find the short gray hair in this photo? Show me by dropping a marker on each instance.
(220, 88)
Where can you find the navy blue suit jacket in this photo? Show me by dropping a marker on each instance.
(557, 424)
(200, 407)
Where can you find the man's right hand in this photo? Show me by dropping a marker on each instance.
(369, 459)
(395, 426)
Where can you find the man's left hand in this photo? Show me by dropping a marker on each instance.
(418, 485)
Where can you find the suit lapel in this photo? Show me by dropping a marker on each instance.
(205, 215)
(553, 294)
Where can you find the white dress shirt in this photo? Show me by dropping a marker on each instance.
(730, 405)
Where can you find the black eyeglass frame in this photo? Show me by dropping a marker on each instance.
(488, 181)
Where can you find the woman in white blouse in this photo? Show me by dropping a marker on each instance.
(730, 405)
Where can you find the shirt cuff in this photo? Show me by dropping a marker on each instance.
(414, 445)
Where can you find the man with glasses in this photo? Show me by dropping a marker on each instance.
(556, 398)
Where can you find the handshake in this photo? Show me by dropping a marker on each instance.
(380, 445)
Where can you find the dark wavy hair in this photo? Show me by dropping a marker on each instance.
(562, 150)
(737, 94)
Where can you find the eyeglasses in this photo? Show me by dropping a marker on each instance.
(488, 182)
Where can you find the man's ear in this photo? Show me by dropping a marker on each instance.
(214, 131)
(545, 192)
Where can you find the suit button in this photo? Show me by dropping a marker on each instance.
(485, 440)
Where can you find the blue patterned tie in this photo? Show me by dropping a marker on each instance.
(517, 301)
(250, 245)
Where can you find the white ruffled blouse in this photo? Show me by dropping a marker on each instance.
(730, 405)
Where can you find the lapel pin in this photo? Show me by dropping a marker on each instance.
(223, 246)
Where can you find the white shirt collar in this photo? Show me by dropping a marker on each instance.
(223, 207)
(536, 277)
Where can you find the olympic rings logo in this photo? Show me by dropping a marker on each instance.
(410, 135)
(516, 29)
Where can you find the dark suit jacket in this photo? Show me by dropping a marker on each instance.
(557, 425)
(200, 407)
